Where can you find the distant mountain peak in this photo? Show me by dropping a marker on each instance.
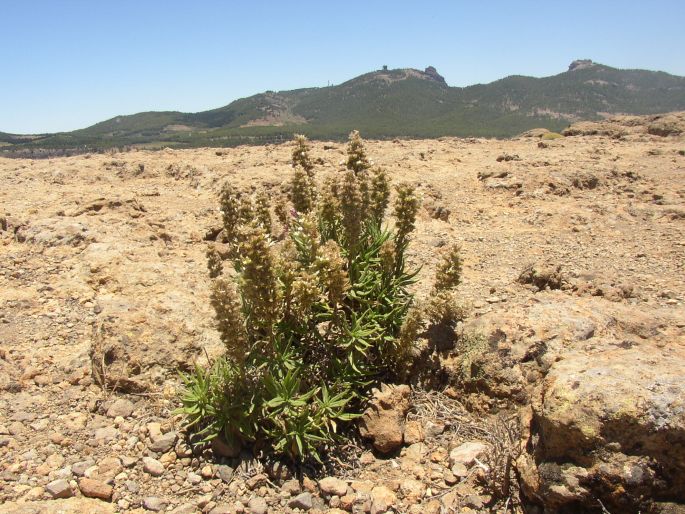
(580, 64)
(389, 76)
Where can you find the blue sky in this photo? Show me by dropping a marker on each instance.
(66, 64)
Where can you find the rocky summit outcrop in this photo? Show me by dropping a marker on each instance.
(433, 74)
(580, 64)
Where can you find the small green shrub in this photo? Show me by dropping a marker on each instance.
(313, 317)
(551, 135)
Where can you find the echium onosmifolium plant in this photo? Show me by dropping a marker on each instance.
(312, 319)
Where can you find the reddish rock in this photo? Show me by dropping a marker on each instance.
(95, 489)
(383, 421)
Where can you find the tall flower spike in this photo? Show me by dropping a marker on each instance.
(329, 208)
(307, 237)
(246, 211)
(387, 258)
(262, 211)
(286, 270)
(448, 272)
(350, 205)
(305, 293)
(230, 323)
(406, 208)
(356, 154)
(409, 332)
(229, 200)
(282, 212)
(331, 268)
(364, 193)
(380, 194)
(302, 192)
(301, 155)
(214, 262)
(258, 280)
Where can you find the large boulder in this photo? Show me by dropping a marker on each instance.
(609, 424)
(504, 353)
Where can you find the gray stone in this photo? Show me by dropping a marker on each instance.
(132, 486)
(194, 478)
(154, 503)
(225, 472)
(55, 232)
(59, 489)
(153, 466)
(121, 407)
(106, 434)
(333, 486)
(79, 468)
(258, 506)
(16, 428)
(474, 501)
(30, 455)
(23, 416)
(292, 487)
(163, 443)
(467, 453)
(434, 429)
(63, 473)
(128, 462)
(301, 501)
(459, 470)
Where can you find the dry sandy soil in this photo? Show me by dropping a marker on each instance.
(103, 278)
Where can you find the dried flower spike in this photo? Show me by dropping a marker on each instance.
(380, 194)
(351, 207)
(356, 154)
(263, 212)
(406, 208)
(230, 322)
(214, 262)
(302, 192)
(258, 279)
(301, 155)
(448, 272)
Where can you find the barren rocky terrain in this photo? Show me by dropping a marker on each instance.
(574, 276)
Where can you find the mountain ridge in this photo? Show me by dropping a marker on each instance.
(404, 102)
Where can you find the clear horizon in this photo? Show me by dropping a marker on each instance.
(69, 64)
